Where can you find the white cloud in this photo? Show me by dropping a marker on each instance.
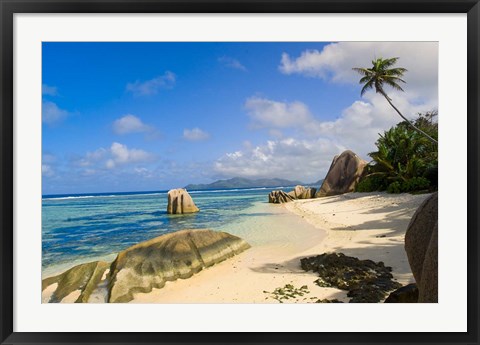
(48, 158)
(92, 158)
(232, 63)
(121, 154)
(302, 157)
(118, 154)
(89, 172)
(47, 170)
(152, 86)
(49, 90)
(336, 60)
(359, 124)
(52, 114)
(195, 134)
(130, 124)
(306, 160)
(266, 113)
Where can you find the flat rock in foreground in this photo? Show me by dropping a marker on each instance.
(181, 254)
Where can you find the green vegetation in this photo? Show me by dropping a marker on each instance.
(287, 292)
(383, 73)
(405, 160)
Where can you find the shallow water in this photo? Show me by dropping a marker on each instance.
(81, 228)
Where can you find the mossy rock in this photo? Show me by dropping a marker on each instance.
(84, 277)
(365, 280)
(178, 255)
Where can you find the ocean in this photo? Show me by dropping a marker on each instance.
(80, 228)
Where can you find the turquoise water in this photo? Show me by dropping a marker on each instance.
(79, 228)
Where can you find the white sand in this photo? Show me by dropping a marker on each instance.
(352, 224)
(48, 292)
(365, 225)
(72, 297)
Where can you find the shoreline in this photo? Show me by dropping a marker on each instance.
(364, 225)
(348, 222)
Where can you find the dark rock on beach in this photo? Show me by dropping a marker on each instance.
(421, 245)
(328, 301)
(181, 254)
(365, 280)
(343, 175)
(406, 294)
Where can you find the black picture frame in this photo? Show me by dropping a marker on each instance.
(10, 7)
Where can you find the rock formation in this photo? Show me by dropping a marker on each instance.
(421, 245)
(144, 266)
(83, 278)
(181, 254)
(179, 202)
(300, 192)
(279, 197)
(343, 175)
(406, 294)
(365, 280)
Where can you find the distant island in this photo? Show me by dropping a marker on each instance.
(239, 182)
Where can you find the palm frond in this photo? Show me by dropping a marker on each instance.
(399, 71)
(364, 79)
(362, 71)
(389, 62)
(397, 79)
(367, 86)
(393, 85)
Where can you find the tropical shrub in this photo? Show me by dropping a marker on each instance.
(372, 183)
(405, 160)
(395, 187)
(415, 184)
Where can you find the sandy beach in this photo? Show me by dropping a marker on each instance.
(364, 225)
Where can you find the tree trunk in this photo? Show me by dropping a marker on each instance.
(403, 117)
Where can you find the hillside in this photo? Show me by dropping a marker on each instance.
(239, 182)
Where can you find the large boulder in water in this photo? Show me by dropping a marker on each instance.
(80, 280)
(421, 245)
(343, 175)
(279, 197)
(179, 202)
(181, 254)
(301, 192)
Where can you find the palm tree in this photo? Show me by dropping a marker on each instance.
(381, 74)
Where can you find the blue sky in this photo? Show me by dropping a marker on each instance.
(152, 116)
